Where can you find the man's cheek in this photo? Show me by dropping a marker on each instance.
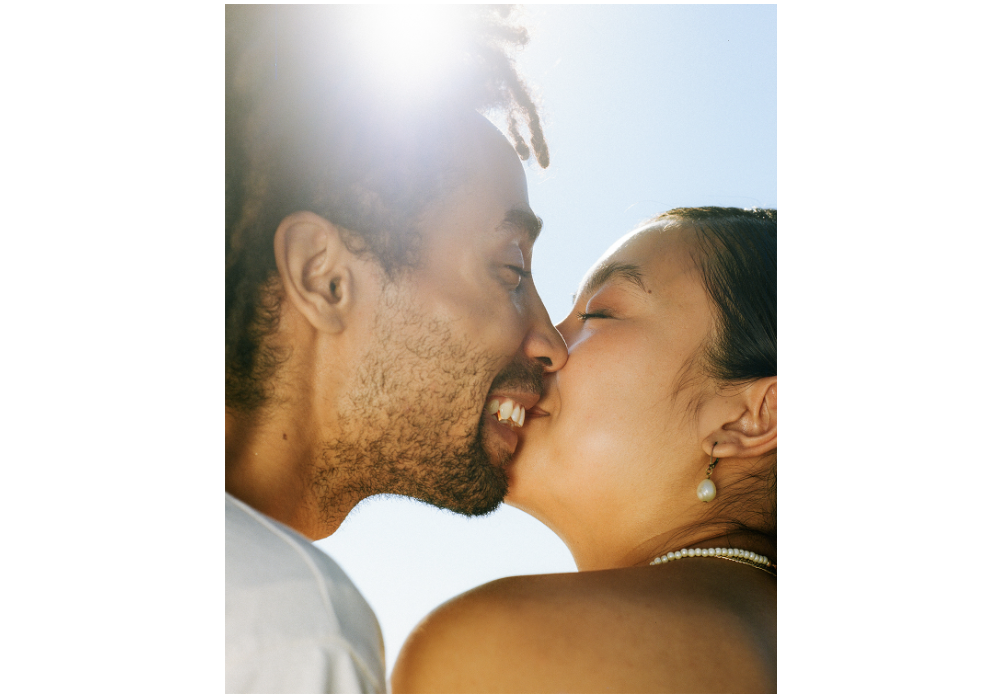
(506, 335)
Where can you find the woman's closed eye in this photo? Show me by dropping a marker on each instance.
(597, 314)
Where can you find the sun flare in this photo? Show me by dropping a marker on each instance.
(407, 48)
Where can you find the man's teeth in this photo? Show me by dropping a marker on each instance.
(507, 409)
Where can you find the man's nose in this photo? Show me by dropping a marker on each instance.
(543, 342)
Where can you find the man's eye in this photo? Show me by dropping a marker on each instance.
(519, 275)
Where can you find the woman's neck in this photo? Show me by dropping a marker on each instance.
(671, 541)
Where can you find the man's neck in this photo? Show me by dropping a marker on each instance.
(270, 465)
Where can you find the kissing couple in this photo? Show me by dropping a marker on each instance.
(384, 336)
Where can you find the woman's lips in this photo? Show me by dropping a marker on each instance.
(537, 412)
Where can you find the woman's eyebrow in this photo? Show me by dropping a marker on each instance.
(612, 271)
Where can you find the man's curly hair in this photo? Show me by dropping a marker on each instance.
(307, 130)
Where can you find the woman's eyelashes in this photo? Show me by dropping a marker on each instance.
(596, 314)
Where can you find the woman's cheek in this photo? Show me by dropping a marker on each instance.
(607, 436)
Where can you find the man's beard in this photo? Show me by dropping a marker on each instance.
(415, 416)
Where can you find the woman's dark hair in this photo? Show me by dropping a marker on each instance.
(736, 254)
(735, 251)
(307, 130)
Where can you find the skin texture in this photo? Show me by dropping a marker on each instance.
(701, 627)
(385, 380)
(611, 466)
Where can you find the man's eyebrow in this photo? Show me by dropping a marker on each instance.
(611, 270)
(523, 219)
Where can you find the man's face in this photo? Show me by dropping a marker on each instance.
(462, 330)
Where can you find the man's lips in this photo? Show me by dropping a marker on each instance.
(518, 387)
(506, 429)
(513, 408)
(516, 390)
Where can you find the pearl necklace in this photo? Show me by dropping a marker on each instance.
(736, 555)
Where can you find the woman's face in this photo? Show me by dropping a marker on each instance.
(617, 437)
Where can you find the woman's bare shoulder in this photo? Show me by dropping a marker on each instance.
(637, 630)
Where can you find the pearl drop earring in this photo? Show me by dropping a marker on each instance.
(707, 489)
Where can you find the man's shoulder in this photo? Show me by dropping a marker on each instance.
(268, 562)
(260, 546)
(287, 600)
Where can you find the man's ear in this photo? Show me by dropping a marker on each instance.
(754, 432)
(316, 269)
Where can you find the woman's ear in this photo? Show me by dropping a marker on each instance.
(752, 433)
(316, 269)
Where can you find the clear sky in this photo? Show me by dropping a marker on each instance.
(647, 108)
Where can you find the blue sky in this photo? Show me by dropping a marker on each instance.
(646, 108)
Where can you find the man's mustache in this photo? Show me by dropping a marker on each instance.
(522, 375)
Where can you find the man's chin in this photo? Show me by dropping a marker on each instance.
(499, 440)
(472, 480)
(483, 485)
